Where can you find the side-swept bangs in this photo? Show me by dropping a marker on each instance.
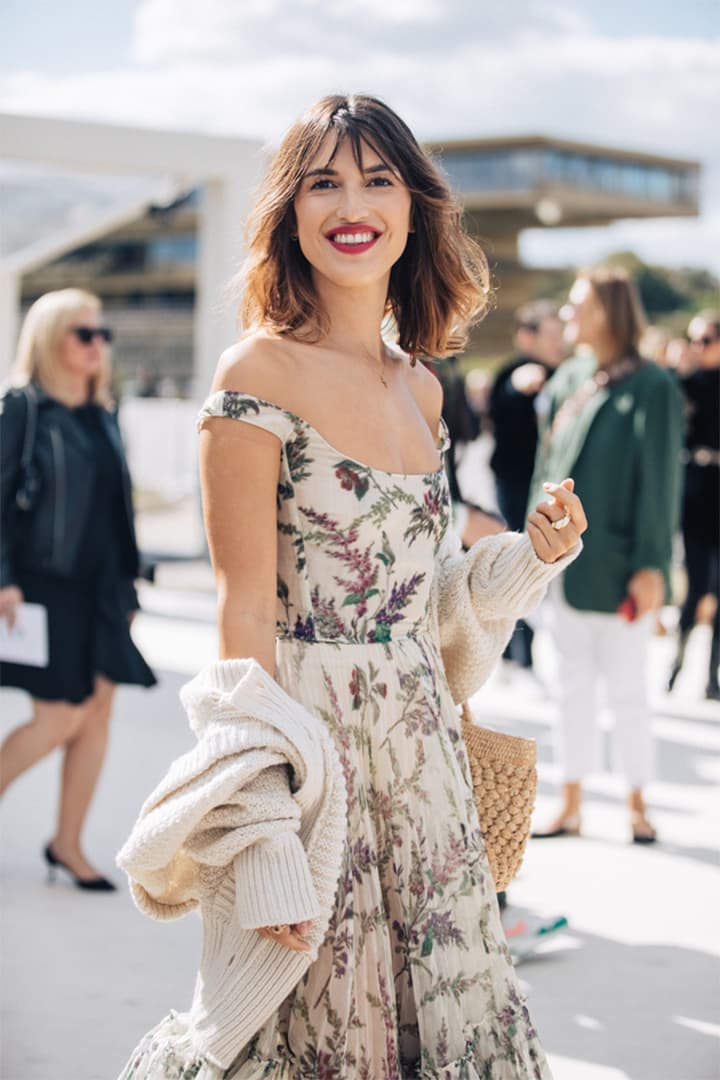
(440, 285)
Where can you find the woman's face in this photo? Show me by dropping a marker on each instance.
(704, 343)
(352, 225)
(586, 322)
(81, 357)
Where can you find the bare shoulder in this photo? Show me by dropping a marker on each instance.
(427, 391)
(259, 364)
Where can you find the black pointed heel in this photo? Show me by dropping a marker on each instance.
(96, 884)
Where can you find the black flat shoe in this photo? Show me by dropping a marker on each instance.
(644, 837)
(96, 884)
(570, 827)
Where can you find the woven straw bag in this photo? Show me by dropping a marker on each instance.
(504, 780)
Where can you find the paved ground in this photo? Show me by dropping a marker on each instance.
(628, 992)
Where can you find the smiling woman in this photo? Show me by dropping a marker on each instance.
(439, 281)
(326, 825)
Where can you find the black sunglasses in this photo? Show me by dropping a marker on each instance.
(85, 334)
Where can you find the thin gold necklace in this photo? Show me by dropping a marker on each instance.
(381, 373)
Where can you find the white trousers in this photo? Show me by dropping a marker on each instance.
(595, 649)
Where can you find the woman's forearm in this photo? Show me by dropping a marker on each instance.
(246, 632)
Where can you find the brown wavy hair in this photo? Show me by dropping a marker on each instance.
(440, 284)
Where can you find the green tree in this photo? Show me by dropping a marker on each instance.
(659, 291)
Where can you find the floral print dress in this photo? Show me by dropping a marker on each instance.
(414, 978)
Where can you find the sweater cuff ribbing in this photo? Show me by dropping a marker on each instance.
(514, 582)
(273, 883)
(223, 674)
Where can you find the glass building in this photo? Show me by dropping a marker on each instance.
(533, 168)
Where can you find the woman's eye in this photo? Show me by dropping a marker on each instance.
(321, 185)
(380, 181)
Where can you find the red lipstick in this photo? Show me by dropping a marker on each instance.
(347, 238)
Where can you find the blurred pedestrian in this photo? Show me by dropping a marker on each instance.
(478, 384)
(539, 348)
(68, 544)
(475, 476)
(460, 418)
(471, 521)
(701, 498)
(614, 422)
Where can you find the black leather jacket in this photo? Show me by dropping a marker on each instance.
(46, 539)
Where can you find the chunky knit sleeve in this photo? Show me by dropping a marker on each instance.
(254, 817)
(273, 883)
(477, 598)
(227, 806)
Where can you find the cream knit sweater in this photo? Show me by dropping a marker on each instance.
(251, 824)
(228, 830)
(478, 596)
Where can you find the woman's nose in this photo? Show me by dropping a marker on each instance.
(353, 202)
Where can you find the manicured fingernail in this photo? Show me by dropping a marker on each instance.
(548, 486)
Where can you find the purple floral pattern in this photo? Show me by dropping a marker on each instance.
(414, 978)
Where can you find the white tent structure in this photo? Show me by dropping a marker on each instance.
(170, 163)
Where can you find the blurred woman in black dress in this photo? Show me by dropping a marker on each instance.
(701, 501)
(68, 543)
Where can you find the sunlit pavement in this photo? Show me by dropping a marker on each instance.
(628, 992)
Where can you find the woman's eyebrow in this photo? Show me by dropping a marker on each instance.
(325, 170)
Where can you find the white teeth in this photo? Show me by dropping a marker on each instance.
(353, 238)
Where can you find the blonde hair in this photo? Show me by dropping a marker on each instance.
(439, 286)
(45, 324)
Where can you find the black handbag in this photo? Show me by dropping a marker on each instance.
(30, 481)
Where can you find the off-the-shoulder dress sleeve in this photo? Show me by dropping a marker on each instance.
(249, 409)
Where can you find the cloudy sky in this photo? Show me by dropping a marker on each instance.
(642, 75)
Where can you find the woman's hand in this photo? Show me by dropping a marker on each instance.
(551, 539)
(292, 937)
(647, 588)
(10, 597)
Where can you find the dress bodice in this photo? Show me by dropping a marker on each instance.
(356, 545)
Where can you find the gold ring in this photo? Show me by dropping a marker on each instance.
(562, 522)
(278, 930)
